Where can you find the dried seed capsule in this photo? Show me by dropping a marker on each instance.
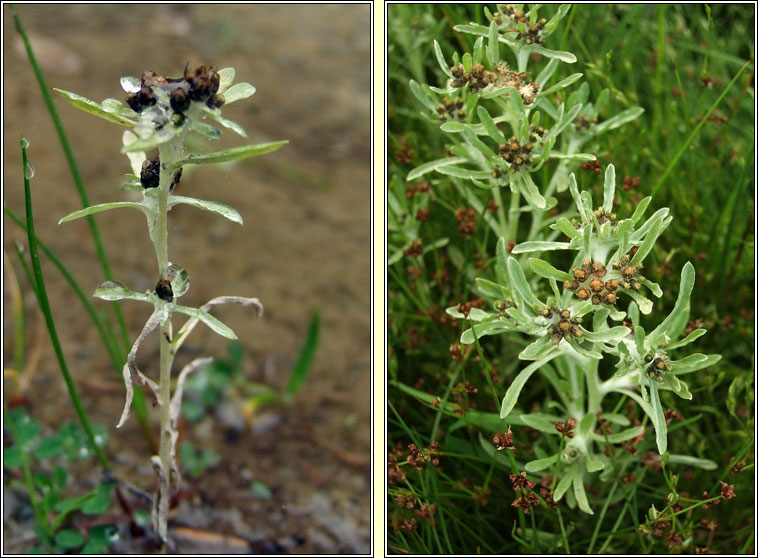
(477, 70)
(216, 101)
(215, 80)
(180, 101)
(146, 97)
(150, 176)
(133, 101)
(164, 291)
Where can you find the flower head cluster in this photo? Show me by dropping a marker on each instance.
(451, 109)
(588, 283)
(563, 325)
(476, 79)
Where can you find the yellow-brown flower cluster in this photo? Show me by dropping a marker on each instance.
(588, 284)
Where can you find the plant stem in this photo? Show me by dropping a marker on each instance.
(513, 216)
(168, 153)
(497, 196)
(166, 439)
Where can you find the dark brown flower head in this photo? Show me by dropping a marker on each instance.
(416, 249)
(416, 459)
(566, 427)
(456, 352)
(671, 415)
(150, 176)
(395, 474)
(520, 481)
(180, 101)
(426, 511)
(433, 454)
(504, 441)
(674, 539)
(467, 219)
(164, 291)
(408, 525)
(727, 491)
(405, 501)
(526, 502)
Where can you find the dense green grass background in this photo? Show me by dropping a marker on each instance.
(675, 61)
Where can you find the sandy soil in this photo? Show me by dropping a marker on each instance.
(305, 246)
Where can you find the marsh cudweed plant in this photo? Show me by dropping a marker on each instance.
(502, 121)
(161, 114)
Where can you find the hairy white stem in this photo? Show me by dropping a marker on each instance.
(168, 153)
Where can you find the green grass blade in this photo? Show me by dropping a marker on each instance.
(74, 169)
(305, 358)
(19, 317)
(694, 132)
(115, 352)
(45, 307)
